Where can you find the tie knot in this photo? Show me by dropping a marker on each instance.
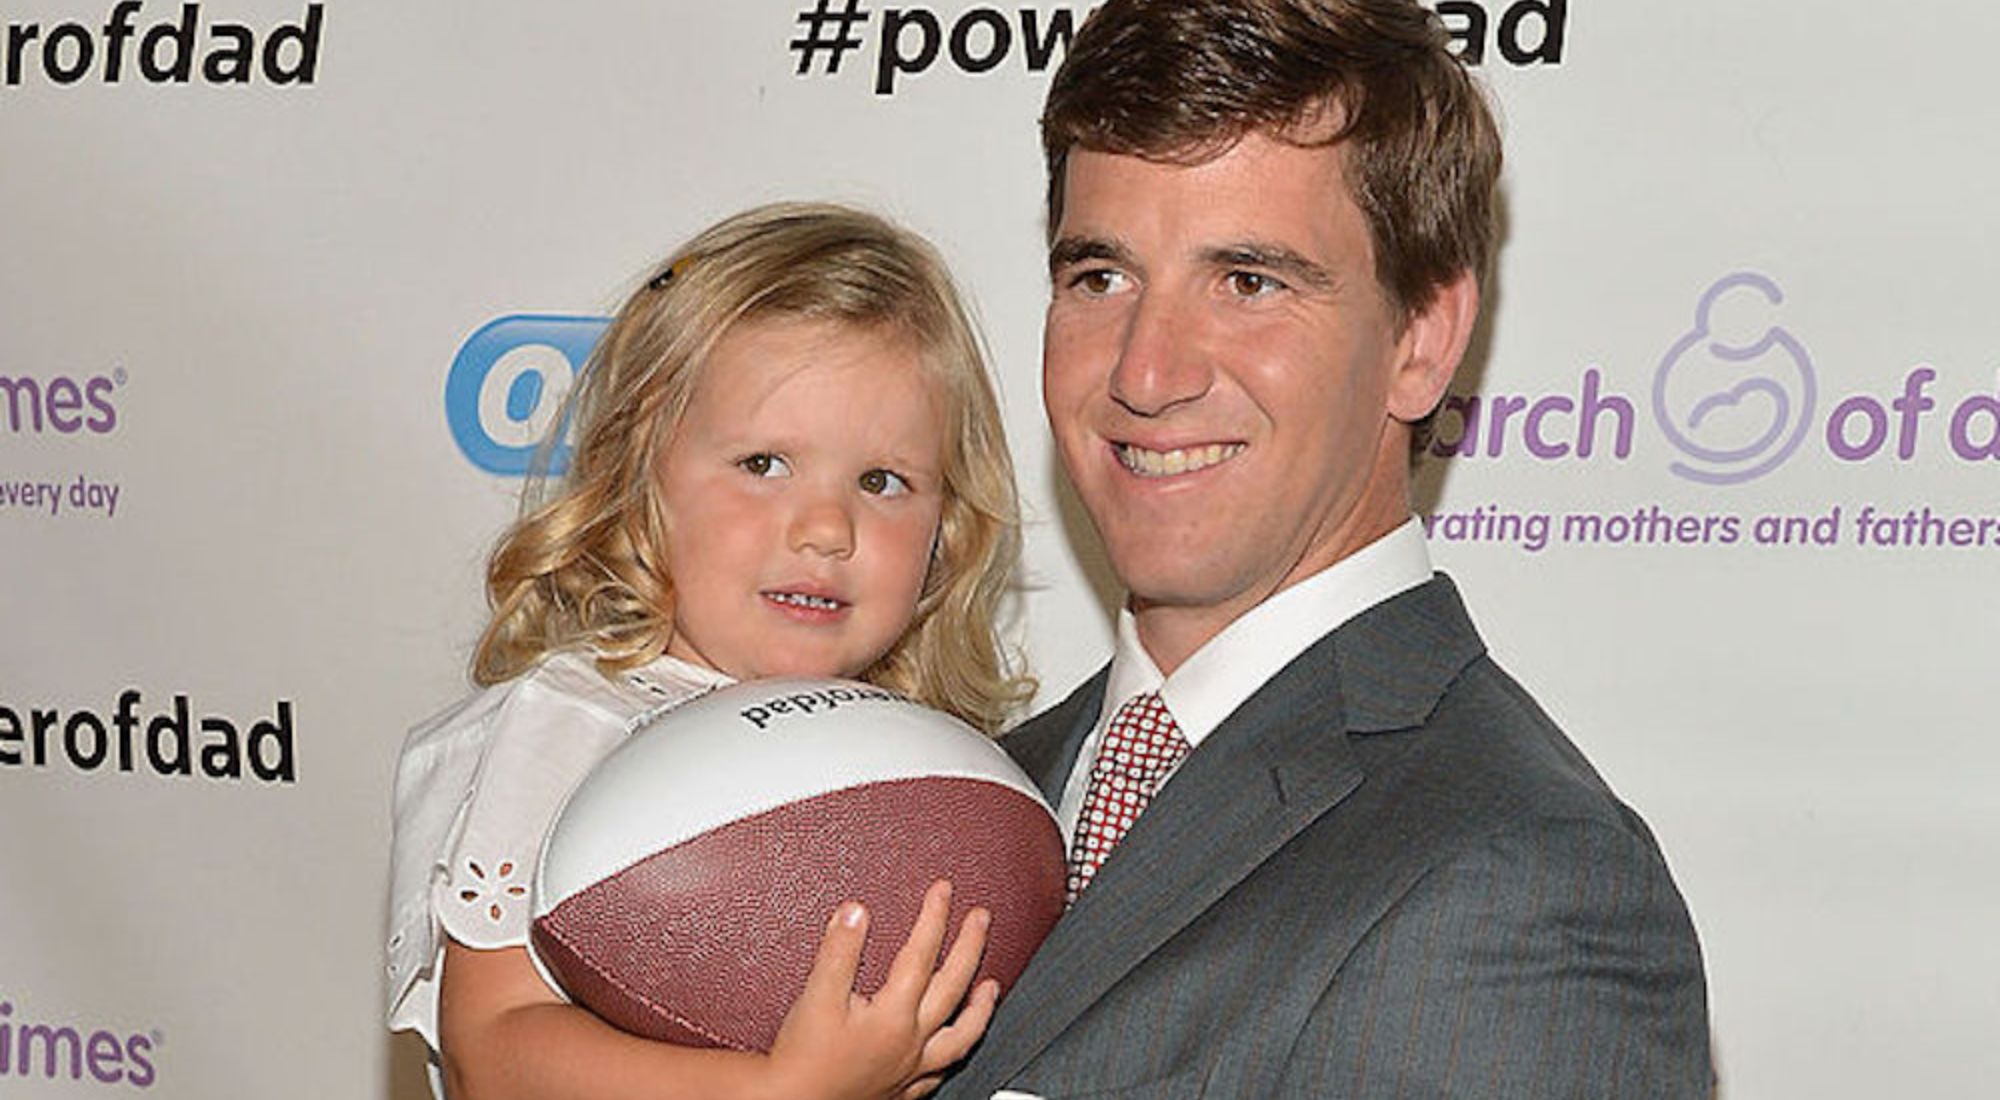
(1143, 739)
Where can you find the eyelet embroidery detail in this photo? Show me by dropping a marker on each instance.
(493, 891)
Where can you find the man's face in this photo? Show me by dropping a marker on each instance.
(1226, 380)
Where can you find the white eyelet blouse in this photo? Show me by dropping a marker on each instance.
(476, 790)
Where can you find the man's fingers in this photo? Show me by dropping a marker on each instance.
(947, 987)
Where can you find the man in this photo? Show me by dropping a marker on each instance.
(1370, 866)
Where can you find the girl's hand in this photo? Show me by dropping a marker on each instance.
(840, 1045)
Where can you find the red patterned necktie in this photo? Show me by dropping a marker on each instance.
(1140, 747)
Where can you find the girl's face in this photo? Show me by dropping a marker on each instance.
(802, 489)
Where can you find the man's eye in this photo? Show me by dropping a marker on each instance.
(884, 483)
(1098, 280)
(1252, 284)
(764, 465)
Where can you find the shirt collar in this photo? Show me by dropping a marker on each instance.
(1230, 667)
(672, 679)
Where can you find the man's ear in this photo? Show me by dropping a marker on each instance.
(1432, 344)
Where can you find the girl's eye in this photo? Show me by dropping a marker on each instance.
(1251, 284)
(884, 483)
(765, 465)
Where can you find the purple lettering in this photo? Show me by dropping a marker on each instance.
(63, 400)
(1962, 443)
(105, 1056)
(59, 403)
(94, 391)
(53, 1040)
(1503, 407)
(1912, 404)
(22, 392)
(1836, 428)
(1595, 405)
(1467, 443)
(54, 1052)
(1537, 446)
(141, 1075)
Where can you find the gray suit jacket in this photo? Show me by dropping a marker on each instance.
(1387, 874)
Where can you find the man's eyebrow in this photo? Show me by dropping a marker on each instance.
(1075, 250)
(1271, 257)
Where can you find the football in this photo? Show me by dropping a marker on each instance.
(682, 892)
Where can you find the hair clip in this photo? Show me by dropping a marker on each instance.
(659, 281)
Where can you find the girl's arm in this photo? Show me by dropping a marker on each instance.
(505, 1034)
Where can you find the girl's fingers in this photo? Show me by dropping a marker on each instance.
(954, 1042)
(910, 973)
(839, 958)
(947, 987)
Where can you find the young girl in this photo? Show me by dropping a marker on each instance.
(789, 461)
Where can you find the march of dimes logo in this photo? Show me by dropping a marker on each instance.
(1738, 401)
(1735, 397)
(1735, 394)
(508, 385)
(35, 1049)
(57, 413)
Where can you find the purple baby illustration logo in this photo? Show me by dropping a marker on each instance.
(1735, 394)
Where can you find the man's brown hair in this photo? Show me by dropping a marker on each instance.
(1182, 81)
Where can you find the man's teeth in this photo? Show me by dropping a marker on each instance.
(800, 599)
(1184, 460)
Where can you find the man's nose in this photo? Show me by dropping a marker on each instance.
(1161, 363)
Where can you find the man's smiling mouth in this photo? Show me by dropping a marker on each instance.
(1180, 460)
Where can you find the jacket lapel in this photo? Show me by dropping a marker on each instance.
(1181, 856)
(1046, 747)
(1277, 764)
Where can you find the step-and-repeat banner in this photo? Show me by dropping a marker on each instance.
(287, 290)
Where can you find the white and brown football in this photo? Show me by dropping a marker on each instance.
(685, 885)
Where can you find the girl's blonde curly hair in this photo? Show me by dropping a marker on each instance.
(584, 567)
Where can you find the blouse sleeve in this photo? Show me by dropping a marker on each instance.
(476, 791)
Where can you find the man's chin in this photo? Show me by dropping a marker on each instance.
(1182, 589)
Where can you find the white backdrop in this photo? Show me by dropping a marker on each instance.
(1748, 270)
